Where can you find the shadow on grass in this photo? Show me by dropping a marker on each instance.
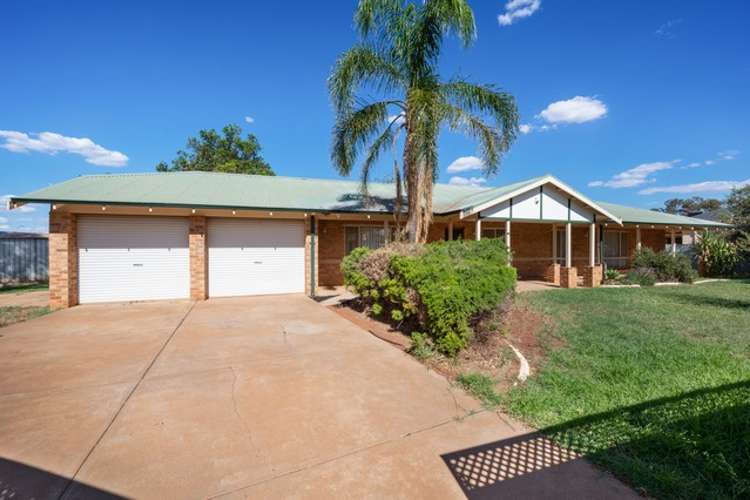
(23, 287)
(694, 445)
(705, 300)
(20, 481)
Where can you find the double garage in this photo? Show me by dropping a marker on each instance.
(125, 258)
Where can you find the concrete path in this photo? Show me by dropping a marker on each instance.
(251, 398)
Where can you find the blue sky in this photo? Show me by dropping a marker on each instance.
(630, 102)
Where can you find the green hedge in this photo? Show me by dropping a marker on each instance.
(442, 287)
(666, 266)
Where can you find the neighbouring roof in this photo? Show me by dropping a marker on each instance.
(239, 191)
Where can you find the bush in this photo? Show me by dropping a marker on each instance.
(421, 346)
(643, 276)
(666, 267)
(720, 257)
(442, 287)
(613, 276)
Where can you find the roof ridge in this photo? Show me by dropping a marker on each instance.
(293, 177)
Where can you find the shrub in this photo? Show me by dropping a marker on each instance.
(644, 276)
(442, 287)
(421, 346)
(613, 276)
(720, 257)
(666, 267)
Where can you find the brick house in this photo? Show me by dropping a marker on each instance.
(201, 234)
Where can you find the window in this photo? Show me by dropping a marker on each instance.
(364, 236)
(616, 248)
(561, 246)
(492, 232)
(677, 240)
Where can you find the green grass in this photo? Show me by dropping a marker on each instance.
(652, 384)
(16, 314)
(481, 387)
(23, 287)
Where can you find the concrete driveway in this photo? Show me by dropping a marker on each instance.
(255, 398)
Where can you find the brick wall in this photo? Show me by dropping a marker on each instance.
(198, 258)
(63, 260)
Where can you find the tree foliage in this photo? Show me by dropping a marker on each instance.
(397, 56)
(225, 152)
(690, 206)
(738, 205)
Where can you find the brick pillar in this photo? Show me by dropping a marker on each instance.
(312, 277)
(198, 259)
(552, 274)
(63, 260)
(568, 277)
(592, 276)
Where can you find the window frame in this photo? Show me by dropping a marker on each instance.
(359, 227)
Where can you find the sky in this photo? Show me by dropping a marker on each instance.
(628, 102)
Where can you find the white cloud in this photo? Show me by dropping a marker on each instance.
(635, 176)
(470, 181)
(665, 30)
(249, 119)
(695, 164)
(465, 163)
(729, 154)
(398, 119)
(525, 128)
(709, 162)
(518, 9)
(699, 187)
(4, 204)
(579, 109)
(51, 143)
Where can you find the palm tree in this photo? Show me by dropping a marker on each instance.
(397, 56)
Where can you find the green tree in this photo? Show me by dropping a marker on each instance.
(690, 206)
(738, 205)
(397, 57)
(214, 152)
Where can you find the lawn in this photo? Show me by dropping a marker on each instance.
(652, 384)
(23, 287)
(16, 314)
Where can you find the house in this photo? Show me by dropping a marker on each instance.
(126, 237)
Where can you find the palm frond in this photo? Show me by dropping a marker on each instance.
(492, 143)
(357, 66)
(353, 131)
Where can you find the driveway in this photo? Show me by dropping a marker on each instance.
(251, 398)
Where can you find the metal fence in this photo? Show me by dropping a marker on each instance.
(23, 259)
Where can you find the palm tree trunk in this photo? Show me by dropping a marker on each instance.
(413, 191)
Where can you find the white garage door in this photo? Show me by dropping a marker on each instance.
(132, 258)
(254, 257)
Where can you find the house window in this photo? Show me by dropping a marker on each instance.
(616, 249)
(493, 232)
(561, 246)
(677, 240)
(364, 236)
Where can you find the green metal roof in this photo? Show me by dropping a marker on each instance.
(239, 191)
(220, 190)
(642, 216)
(485, 195)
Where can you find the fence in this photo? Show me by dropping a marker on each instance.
(23, 259)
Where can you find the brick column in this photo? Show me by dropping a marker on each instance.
(592, 276)
(312, 277)
(568, 277)
(552, 274)
(63, 260)
(198, 259)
